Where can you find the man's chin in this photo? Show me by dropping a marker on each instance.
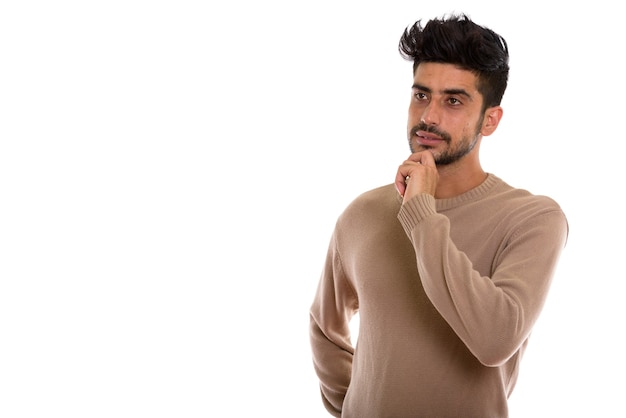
(419, 148)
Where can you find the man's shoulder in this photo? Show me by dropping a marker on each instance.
(519, 197)
(374, 202)
(520, 206)
(382, 195)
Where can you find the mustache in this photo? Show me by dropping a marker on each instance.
(430, 129)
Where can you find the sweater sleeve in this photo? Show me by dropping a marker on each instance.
(333, 307)
(494, 315)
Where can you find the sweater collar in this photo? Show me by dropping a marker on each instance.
(474, 194)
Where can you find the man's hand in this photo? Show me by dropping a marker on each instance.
(417, 175)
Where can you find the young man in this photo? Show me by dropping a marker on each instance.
(450, 266)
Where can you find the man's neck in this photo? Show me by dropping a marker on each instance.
(454, 180)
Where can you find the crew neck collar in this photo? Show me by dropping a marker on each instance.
(477, 192)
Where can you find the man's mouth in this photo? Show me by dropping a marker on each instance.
(427, 139)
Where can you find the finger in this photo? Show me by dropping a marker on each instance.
(403, 175)
(422, 157)
(401, 181)
(428, 159)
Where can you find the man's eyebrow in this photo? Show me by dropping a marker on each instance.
(422, 88)
(455, 92)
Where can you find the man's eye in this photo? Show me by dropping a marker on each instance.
(454, 101)
(420, 96)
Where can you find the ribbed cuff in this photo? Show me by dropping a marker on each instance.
(416, 209)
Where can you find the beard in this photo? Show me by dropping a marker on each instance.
(450, 154)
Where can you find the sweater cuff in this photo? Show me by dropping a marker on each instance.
(416, 209)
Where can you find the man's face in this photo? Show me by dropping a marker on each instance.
(445, 112)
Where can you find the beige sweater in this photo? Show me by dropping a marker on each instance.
(447, 293)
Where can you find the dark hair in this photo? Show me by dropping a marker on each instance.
(457, 40)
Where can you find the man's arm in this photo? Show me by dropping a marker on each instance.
(494, 315)
(333, 307)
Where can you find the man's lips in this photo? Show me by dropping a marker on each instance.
(428, 139)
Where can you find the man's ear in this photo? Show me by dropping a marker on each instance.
(491, 120)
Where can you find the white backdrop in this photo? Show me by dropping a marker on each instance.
(170, 173)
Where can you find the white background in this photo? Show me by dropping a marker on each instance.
(171, 171)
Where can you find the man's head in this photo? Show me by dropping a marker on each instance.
(459, 41)
(460, 73)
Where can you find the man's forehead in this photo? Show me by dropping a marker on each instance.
(439, 77)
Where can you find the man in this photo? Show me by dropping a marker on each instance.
(450, 266)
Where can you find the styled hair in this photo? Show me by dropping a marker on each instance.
(457, 40)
